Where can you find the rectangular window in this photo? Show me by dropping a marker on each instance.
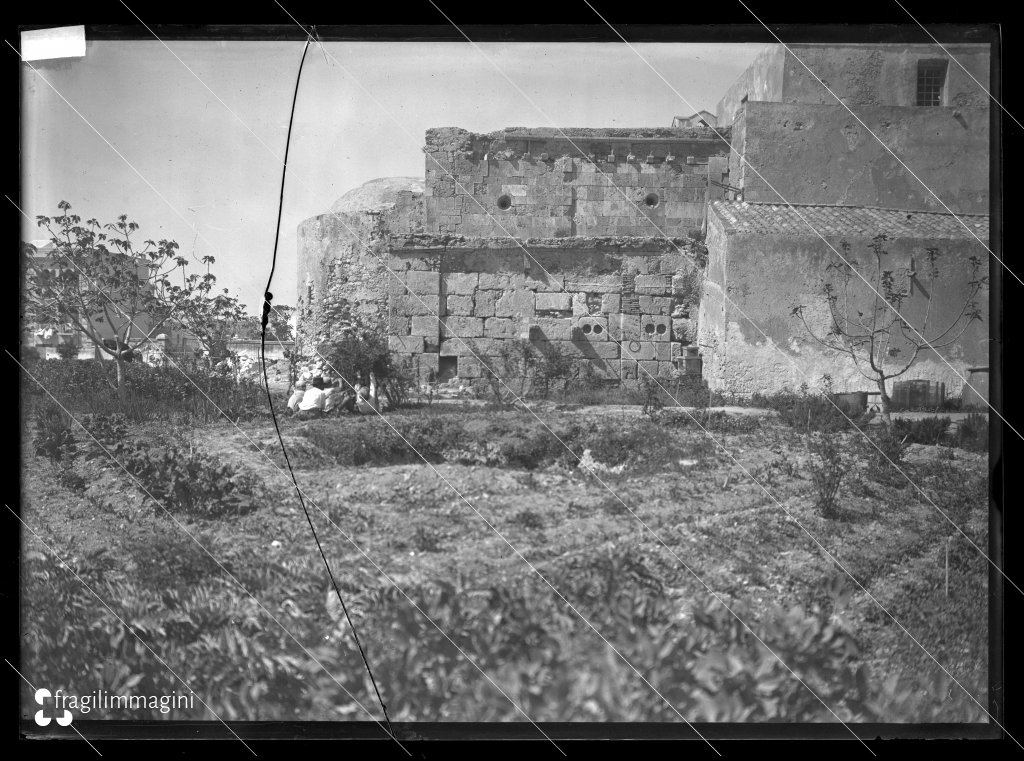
(931, 81)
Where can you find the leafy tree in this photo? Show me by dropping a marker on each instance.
(866, 324)
(99, 275)
(279, 325)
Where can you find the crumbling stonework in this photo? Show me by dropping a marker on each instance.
(607, 301)
(538, 183)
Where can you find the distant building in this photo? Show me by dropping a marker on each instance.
(699, 119)
(47, 339)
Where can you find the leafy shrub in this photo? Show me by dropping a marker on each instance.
(355, 355)
(188, 390)
(892, 446)
(167, 556)
(929, 430)
(528, 519)
(811, 412)
(827, 471)
(186, 480)
(54, 438)
(426, 539)
(105, 433)
(972, 433)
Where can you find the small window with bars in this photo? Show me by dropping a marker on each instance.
(931, 81)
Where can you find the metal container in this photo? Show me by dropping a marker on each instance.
(978, 395)
(918, 394)
(853, 404)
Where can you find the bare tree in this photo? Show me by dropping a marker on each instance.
(866, 322)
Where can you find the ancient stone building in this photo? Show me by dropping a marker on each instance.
(590, 243)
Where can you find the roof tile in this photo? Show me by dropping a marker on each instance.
(867, 221)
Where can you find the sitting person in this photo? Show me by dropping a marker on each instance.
(332, 396)
(296, 397)
(366, 398)
(312, 404)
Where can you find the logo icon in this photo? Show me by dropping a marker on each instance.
(43, 695)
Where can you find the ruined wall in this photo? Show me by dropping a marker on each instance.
(617, 304)
(342, 255)
(822, 155)
(535, 183)
(765, 275)
(860, 75)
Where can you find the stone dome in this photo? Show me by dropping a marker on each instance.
(376, 194)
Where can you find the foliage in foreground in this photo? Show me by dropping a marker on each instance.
(243, 665)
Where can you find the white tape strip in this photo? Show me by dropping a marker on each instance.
(58, 42)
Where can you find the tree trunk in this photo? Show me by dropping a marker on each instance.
(886, 416)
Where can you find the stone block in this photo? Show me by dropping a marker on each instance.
(541, 281)
(653, 285)
(406, 344)
(580, 308)
(518, 304)
(483, 304)
(554, 328)
(656, 327)
(427, 365)
(399, 325)
(624, 327)
(592, 328)
(666, 369)
(501, 327)
(464, 327)
(461, 306)
(559, 302)
(659, 305)
(493, 281)
(423, 283)
(461, 283)
(470, 367)
(648, 369)
(610, 303)
(663, 351)
(628, 370)
(639, 350)
(425, 326)
(410, 306)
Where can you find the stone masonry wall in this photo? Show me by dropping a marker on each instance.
(537, 183)
(623, 305)
(342, 274)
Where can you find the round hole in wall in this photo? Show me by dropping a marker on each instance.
(598, 330)
(661, 329)
(652, 199)
(586, 327)
(504, 202)
(649, 328)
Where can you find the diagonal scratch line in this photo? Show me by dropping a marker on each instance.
(33, 687)
(343, 532)
(812, 228)
(962, 67)
(200, 545)
(687, 258)
(114, 613)
(460, 338)
(881, 142)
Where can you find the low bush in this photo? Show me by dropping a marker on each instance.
(929, 430)
(827, 470)
(810, 412)
(182, 479)
(188, 391)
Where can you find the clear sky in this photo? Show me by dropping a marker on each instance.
(358, 119)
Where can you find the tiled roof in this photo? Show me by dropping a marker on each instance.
(866, 221)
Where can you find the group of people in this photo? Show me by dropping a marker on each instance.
(319, 397)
